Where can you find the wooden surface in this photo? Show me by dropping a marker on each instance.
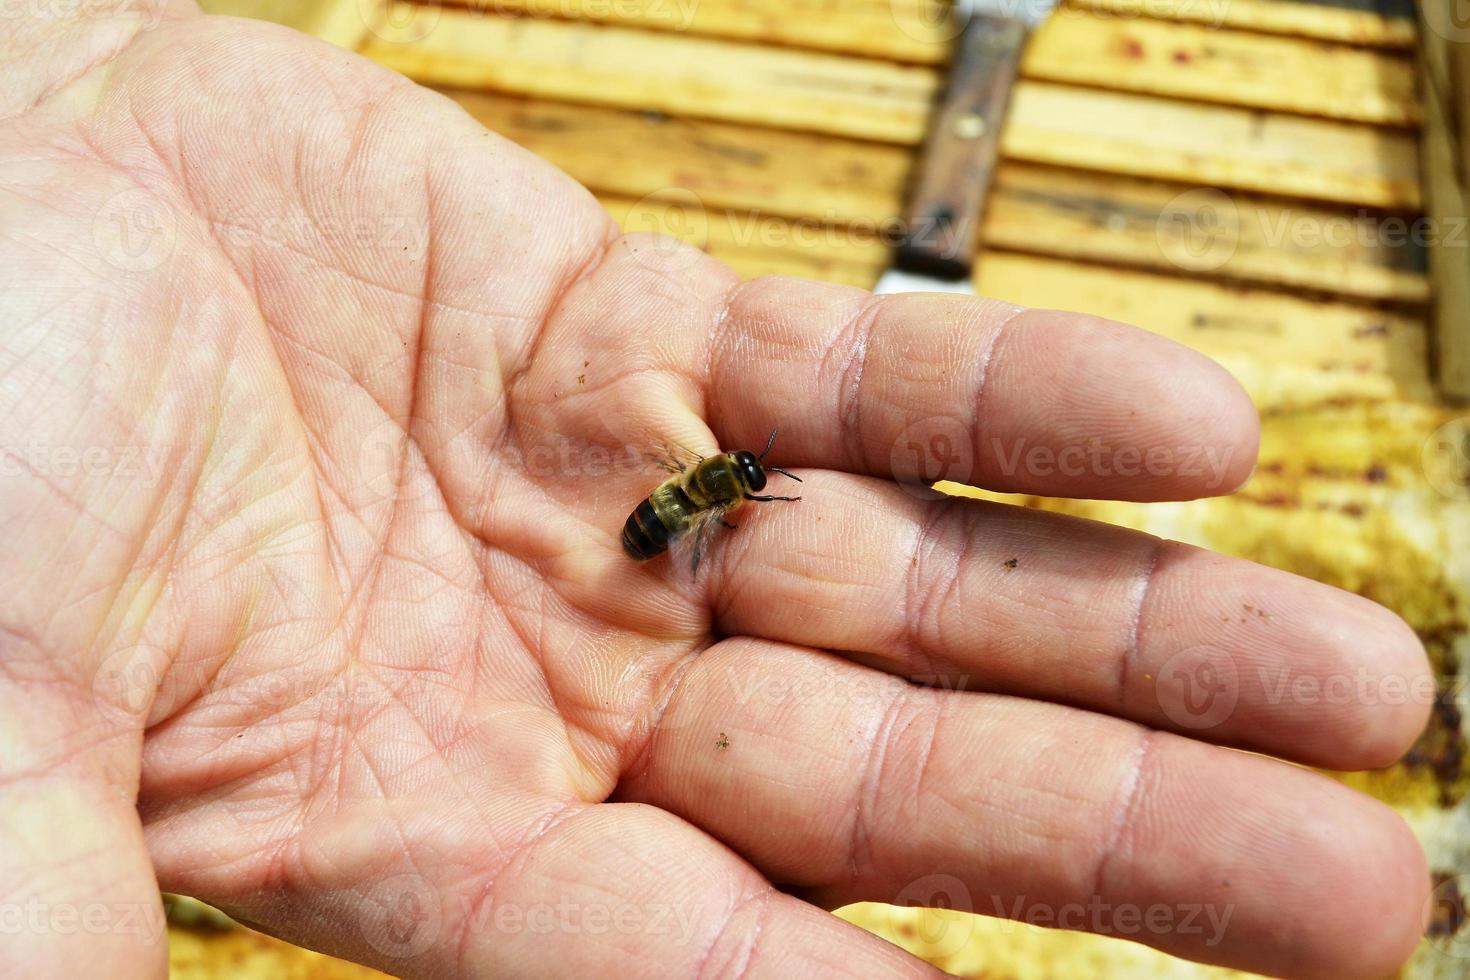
(920, 31)
(1231, 146)
(1298, 20)
(1187, 58)
(1180, 164)
(680, 75)
(1444, 77)
(1206, 63)
(736, 172)
(909, 31)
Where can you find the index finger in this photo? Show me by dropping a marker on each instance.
(931, 386)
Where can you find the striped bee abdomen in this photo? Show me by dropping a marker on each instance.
(666, 514)
(644, 535)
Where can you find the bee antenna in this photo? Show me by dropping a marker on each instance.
(769, 442)
(777, 469)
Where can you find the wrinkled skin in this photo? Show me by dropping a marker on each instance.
(322, 409)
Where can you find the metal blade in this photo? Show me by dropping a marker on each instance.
(896, 280)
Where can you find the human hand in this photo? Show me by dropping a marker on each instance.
(319, 402)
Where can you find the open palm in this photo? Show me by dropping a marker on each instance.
(323, 409)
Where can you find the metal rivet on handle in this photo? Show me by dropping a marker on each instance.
(970, 126)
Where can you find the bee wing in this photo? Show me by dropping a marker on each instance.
(693, 543)
(676, 458)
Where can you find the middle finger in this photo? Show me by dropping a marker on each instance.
(963, 593)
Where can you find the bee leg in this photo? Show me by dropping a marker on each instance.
(751, 496)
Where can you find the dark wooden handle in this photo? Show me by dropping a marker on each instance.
(942, 225)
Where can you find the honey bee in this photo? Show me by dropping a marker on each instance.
(691, 503)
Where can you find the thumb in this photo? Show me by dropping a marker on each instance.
(77, 892)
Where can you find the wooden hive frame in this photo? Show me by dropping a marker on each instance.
(1444, 83)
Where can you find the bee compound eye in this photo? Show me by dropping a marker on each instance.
(755, 475)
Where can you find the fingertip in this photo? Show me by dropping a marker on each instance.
(1399, 694)
(1311, 878)
(1172, 424)
(1207, 421)
(1379, 895)
(1371, 687)
(1239, 429)
(1315, 673)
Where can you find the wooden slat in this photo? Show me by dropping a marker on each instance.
(1285, 17)
(1177, 60)
(1231, 67)
(1035, 209)
(920, 31)
(917, 31)
(1447, 201)
(681, 75)
(796, 175)
(1198, 231)
(1318, 351)
(1223, 146)
(1049, 123)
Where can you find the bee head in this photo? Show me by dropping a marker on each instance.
(751, 470)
